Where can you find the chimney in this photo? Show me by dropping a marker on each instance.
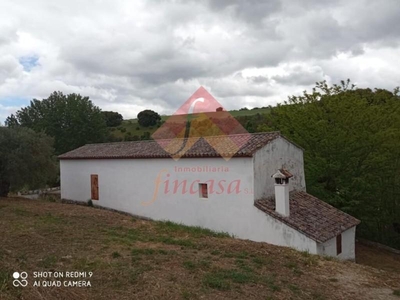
(282, 192)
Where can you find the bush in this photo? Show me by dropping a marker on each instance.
(130, 137)
(26, 160)
(112, 118)
(145, 136)
(112, 139)
(148, 118)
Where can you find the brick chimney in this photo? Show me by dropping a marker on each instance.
(282, 205)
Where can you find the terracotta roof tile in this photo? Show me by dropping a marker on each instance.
(311, 216)
(227, 145)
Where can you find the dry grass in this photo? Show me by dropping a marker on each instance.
(377, 258)
(132, 259)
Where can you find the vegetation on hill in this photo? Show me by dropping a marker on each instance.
(351, 141)
(26, 159)
(250, 112)
(135, 259)
(253, 120)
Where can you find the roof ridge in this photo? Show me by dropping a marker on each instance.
(179, 138)
(229, 145)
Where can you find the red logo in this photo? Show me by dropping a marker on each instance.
(201, 116)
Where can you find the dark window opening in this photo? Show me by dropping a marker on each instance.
(338, 244)
(281, 180)
(203, 190)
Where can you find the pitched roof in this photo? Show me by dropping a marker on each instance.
(311, 216)
(237, 145)
(282, 173)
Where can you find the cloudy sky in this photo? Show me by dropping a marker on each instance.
(131, 55)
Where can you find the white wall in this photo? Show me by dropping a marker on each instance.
(268, 229)
(275, 155)
(348, 246)
(125, 183)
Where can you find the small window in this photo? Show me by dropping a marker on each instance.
(338, 244)
(203, 190)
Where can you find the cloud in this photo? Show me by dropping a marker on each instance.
(249, 11)
(300, 75)
(9, 68)
(131, 55)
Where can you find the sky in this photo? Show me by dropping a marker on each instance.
(128, 56)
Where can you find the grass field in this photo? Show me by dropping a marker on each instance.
(136, 259)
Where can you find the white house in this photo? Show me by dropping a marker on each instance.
(258, 194)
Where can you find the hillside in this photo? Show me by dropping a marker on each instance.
(132, 258)
(131, 130)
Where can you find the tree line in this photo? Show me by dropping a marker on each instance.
(35, 135)
(351, 141)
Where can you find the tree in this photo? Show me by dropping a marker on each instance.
(352, 151)
(113, 119)
(72, 120)
(26, 159)
(147, 118)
